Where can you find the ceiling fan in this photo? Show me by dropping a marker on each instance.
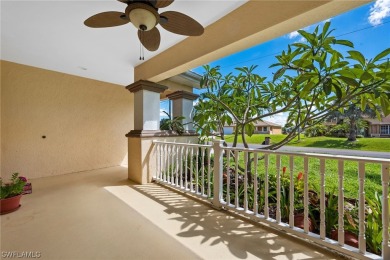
(144, 16)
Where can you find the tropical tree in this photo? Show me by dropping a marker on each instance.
(313, 79)
(353, 117)
(231, 100)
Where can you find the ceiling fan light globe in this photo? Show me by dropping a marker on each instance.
(142, 18)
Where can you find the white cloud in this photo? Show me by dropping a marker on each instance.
(279, 119)
(379, 11)
(162, 114)
(293, 35)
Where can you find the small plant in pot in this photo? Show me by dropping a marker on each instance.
(11, 193)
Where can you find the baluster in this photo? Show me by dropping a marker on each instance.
(164, 173)
(246, 157)
(385, 211)
(186, 168)
(306, 194)
(236, 154)
(177, 166)
(291, 215)
(266, 188)
(192, 170)
(167, 163)
(181, 165)
(161, 162)
(322, 200)
(209, 172)
(255, 186)
(362, 236)
(202, 155)
(278, 213)
(341, 202)
(197, 172)
(171, 180)
(228, 177)
(155, 154)
(172, 164)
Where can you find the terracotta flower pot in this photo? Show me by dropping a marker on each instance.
(9, 205)
(349, 238)
(299, 221)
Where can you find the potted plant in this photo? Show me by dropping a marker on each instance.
(10, 193)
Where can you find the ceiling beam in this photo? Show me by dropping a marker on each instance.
(254, 22)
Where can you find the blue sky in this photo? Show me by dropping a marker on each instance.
(368, 27)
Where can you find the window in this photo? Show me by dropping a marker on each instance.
(385, 129)
(265, 129)
(165, 106)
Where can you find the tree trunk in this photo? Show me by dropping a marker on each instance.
(352, 130)
(235, 138)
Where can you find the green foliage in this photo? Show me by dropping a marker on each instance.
(174, 124)
(231, 100)
(316, 130)
(312, 80)
(339, 130)
(12, 188)
(331, 211)
(374, 227)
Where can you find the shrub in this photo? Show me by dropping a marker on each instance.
(315, 130)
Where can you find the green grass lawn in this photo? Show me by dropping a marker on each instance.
(351, 180)
(364, 144)
(373, 171)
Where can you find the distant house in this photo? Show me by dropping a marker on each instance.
(262, 127)
(378, 128)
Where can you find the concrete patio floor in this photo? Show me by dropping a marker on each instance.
(101, 215)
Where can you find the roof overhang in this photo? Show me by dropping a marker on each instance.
(188, 78)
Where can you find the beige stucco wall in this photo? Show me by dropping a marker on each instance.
(276, 131)
(84, 121)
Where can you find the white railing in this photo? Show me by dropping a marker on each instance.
(282, 188)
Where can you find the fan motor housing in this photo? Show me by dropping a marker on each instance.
(141, 7)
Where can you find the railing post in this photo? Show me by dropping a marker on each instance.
(218, 167)
(385, 211)
(362, 228)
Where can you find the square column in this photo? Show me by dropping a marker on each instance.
(146, 105)
(141, 155)
(182, 105)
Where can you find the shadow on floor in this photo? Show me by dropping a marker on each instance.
(216, 227)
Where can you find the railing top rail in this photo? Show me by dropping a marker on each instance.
(311, 155)
(316, 155)
(182, 144)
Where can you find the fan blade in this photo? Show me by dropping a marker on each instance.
(106, 19)
(163, 3)
(150, 39)
(181, 24)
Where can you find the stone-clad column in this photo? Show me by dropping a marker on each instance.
(182, 105)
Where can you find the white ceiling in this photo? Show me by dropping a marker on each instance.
(51, 35)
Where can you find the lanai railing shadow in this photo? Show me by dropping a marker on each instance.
(217, 228)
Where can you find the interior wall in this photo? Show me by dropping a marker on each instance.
(53, 123)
